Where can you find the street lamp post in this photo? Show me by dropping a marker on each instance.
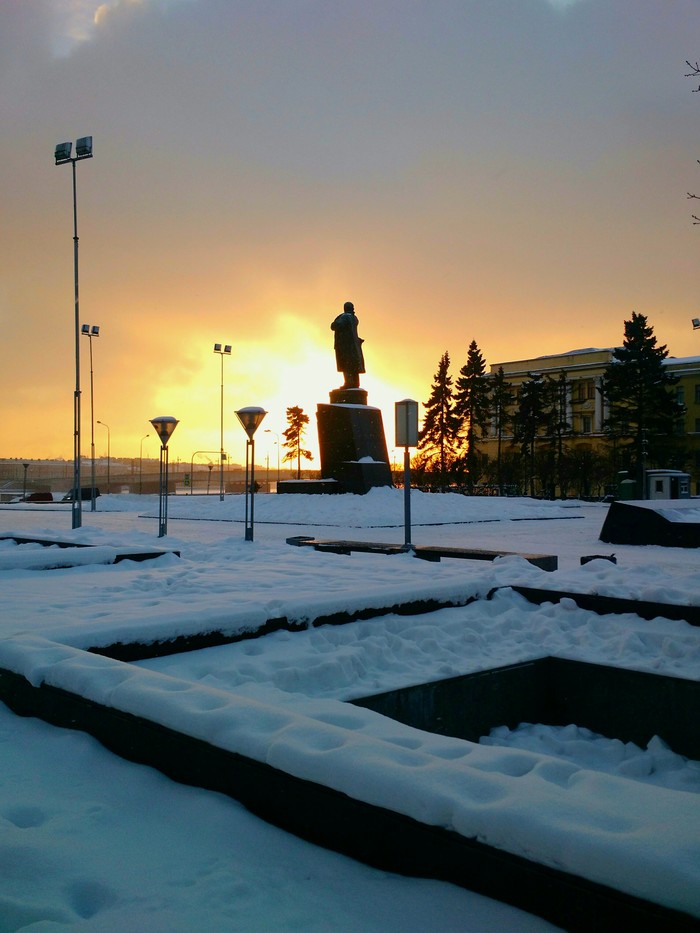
(164, 427)
(90, 331)
(141, 463)
(62, 155)
(250, 419)
(109, 446)
(268, 431)
(224, 350)
(24, 485)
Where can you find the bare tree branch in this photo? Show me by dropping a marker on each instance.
(693, 73)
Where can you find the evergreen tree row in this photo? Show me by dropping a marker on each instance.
(531, 427)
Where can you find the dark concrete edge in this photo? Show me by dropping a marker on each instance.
(428, 552)
(602, 605)
(610, 605)
(121, 552)
(376, 836)
(141, 651)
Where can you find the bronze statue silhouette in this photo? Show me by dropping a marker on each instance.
(348, 347)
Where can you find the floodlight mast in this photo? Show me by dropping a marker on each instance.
(62, 155)
(222, 350)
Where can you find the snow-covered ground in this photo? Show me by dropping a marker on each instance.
(93, 827)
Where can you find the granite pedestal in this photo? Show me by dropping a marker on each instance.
(352, 445)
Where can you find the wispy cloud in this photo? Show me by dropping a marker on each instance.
(77, 21)
(563, 4)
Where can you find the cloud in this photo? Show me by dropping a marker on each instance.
(563, 4)
(78, 21)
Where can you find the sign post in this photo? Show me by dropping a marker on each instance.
(406, 425)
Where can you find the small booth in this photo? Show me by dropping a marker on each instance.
(667, 484)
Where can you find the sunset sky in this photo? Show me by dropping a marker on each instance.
(509, 171)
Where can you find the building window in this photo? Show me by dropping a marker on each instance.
(680, 395)
(583, 390)
(586, 424)
(697, 425)
(697, 393)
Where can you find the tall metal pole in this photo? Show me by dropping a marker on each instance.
(407, 497)
(109, 444)
(221, 443)
(163, 493)
(252, 488)
(268, 431)
(92, 433)
(77, 497)
(141, 463)
(62, 155)
(223, 349)
(248, 526)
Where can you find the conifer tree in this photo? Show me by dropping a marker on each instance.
(502, 399)
(473, 405)
(531, 415)
(293, 437)
(637, 388)
(557, 424)
(439, 435)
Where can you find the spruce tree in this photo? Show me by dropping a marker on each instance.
(473, 405)
(531, 416)
(637, 389)
(502, 399)
(293, 436)
(557, 425)
(438, 437)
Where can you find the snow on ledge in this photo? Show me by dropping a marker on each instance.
(636, 838)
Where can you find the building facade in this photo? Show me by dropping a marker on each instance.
(585, 409)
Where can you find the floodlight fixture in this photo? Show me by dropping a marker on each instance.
(62, 153)
(696, 323)
(83, 147)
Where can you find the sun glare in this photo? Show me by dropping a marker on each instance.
(293, 365)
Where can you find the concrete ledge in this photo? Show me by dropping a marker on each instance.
(629, 705)
(547, 562)
(120, 553)
(372, 834)
(648, 522)
(604, 605)
(309, 487)
(195, 641)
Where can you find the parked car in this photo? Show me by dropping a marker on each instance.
(38, 497)
(86, 494)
